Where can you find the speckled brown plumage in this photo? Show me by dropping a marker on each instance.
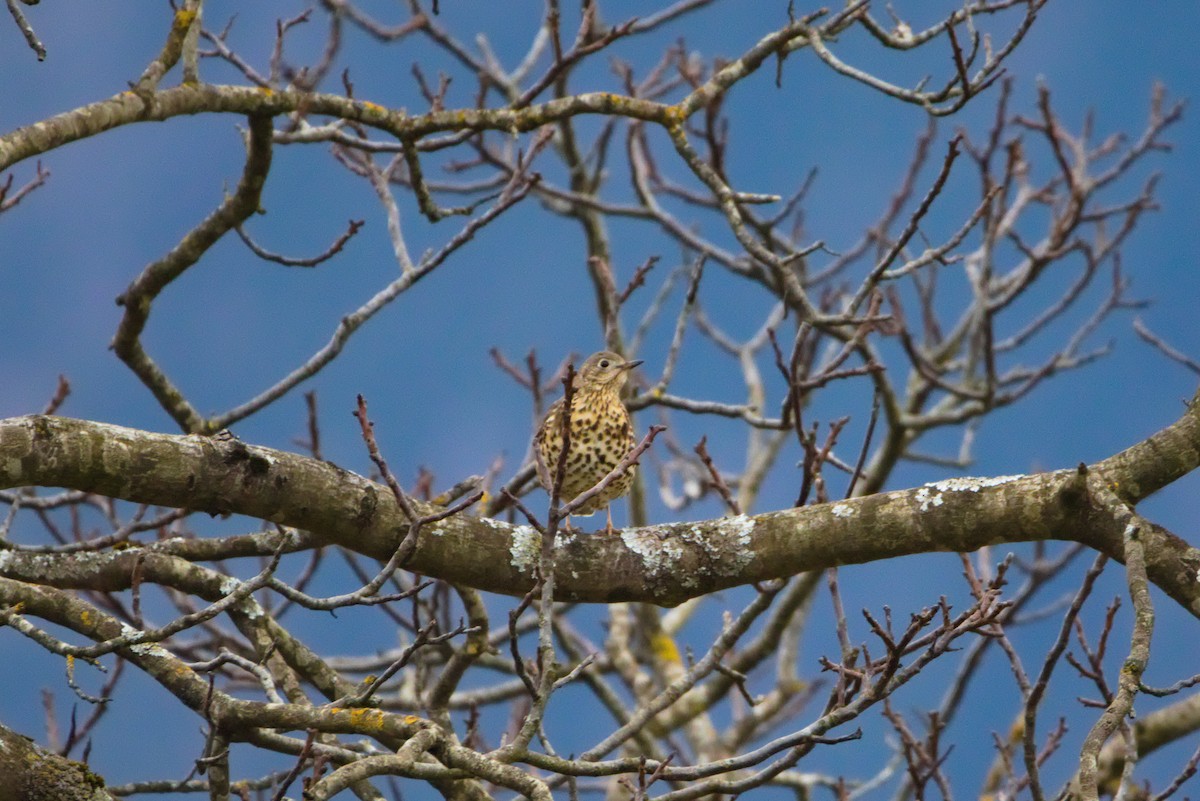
(601, 434)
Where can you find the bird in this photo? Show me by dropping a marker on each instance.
(601, 435)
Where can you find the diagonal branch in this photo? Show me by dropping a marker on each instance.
(140, 295)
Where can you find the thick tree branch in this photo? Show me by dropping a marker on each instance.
(31, 772)
(664, 564)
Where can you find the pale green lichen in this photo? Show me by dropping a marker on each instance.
(660, 554)
(842, 510)
(524, 548)
(726, 545)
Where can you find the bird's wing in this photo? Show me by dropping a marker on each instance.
(543, 471)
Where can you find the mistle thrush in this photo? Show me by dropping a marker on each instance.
(601, 435)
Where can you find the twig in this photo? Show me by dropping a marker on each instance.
(717, 480)
(26, 29)
(313, 261)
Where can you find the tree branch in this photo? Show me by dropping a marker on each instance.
(664, 564)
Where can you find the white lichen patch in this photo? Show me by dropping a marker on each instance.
(448, 524)
(50, 566)
(436, 530)
(565, 537)
(524, 548)
(842, 510)
(149, 649)
(927, 499)
(656, 552)
(741, 528)
(930, 495)
(971, 484)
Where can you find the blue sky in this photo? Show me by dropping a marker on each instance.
(234, 325)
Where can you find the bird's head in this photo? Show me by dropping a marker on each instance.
(605, 370)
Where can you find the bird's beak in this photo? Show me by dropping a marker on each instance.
(631, 365)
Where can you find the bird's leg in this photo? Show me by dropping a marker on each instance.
(608, 529)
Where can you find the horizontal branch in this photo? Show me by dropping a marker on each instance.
(664, 564)
(128, 107)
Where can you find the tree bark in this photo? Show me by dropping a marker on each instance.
(29, 773)
(664, 564)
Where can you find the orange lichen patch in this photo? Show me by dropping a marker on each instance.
(367, 719)
(375, 107)
(664, 648)
(411, 720)
(85, 617)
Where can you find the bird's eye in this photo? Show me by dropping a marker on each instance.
(604, 362)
